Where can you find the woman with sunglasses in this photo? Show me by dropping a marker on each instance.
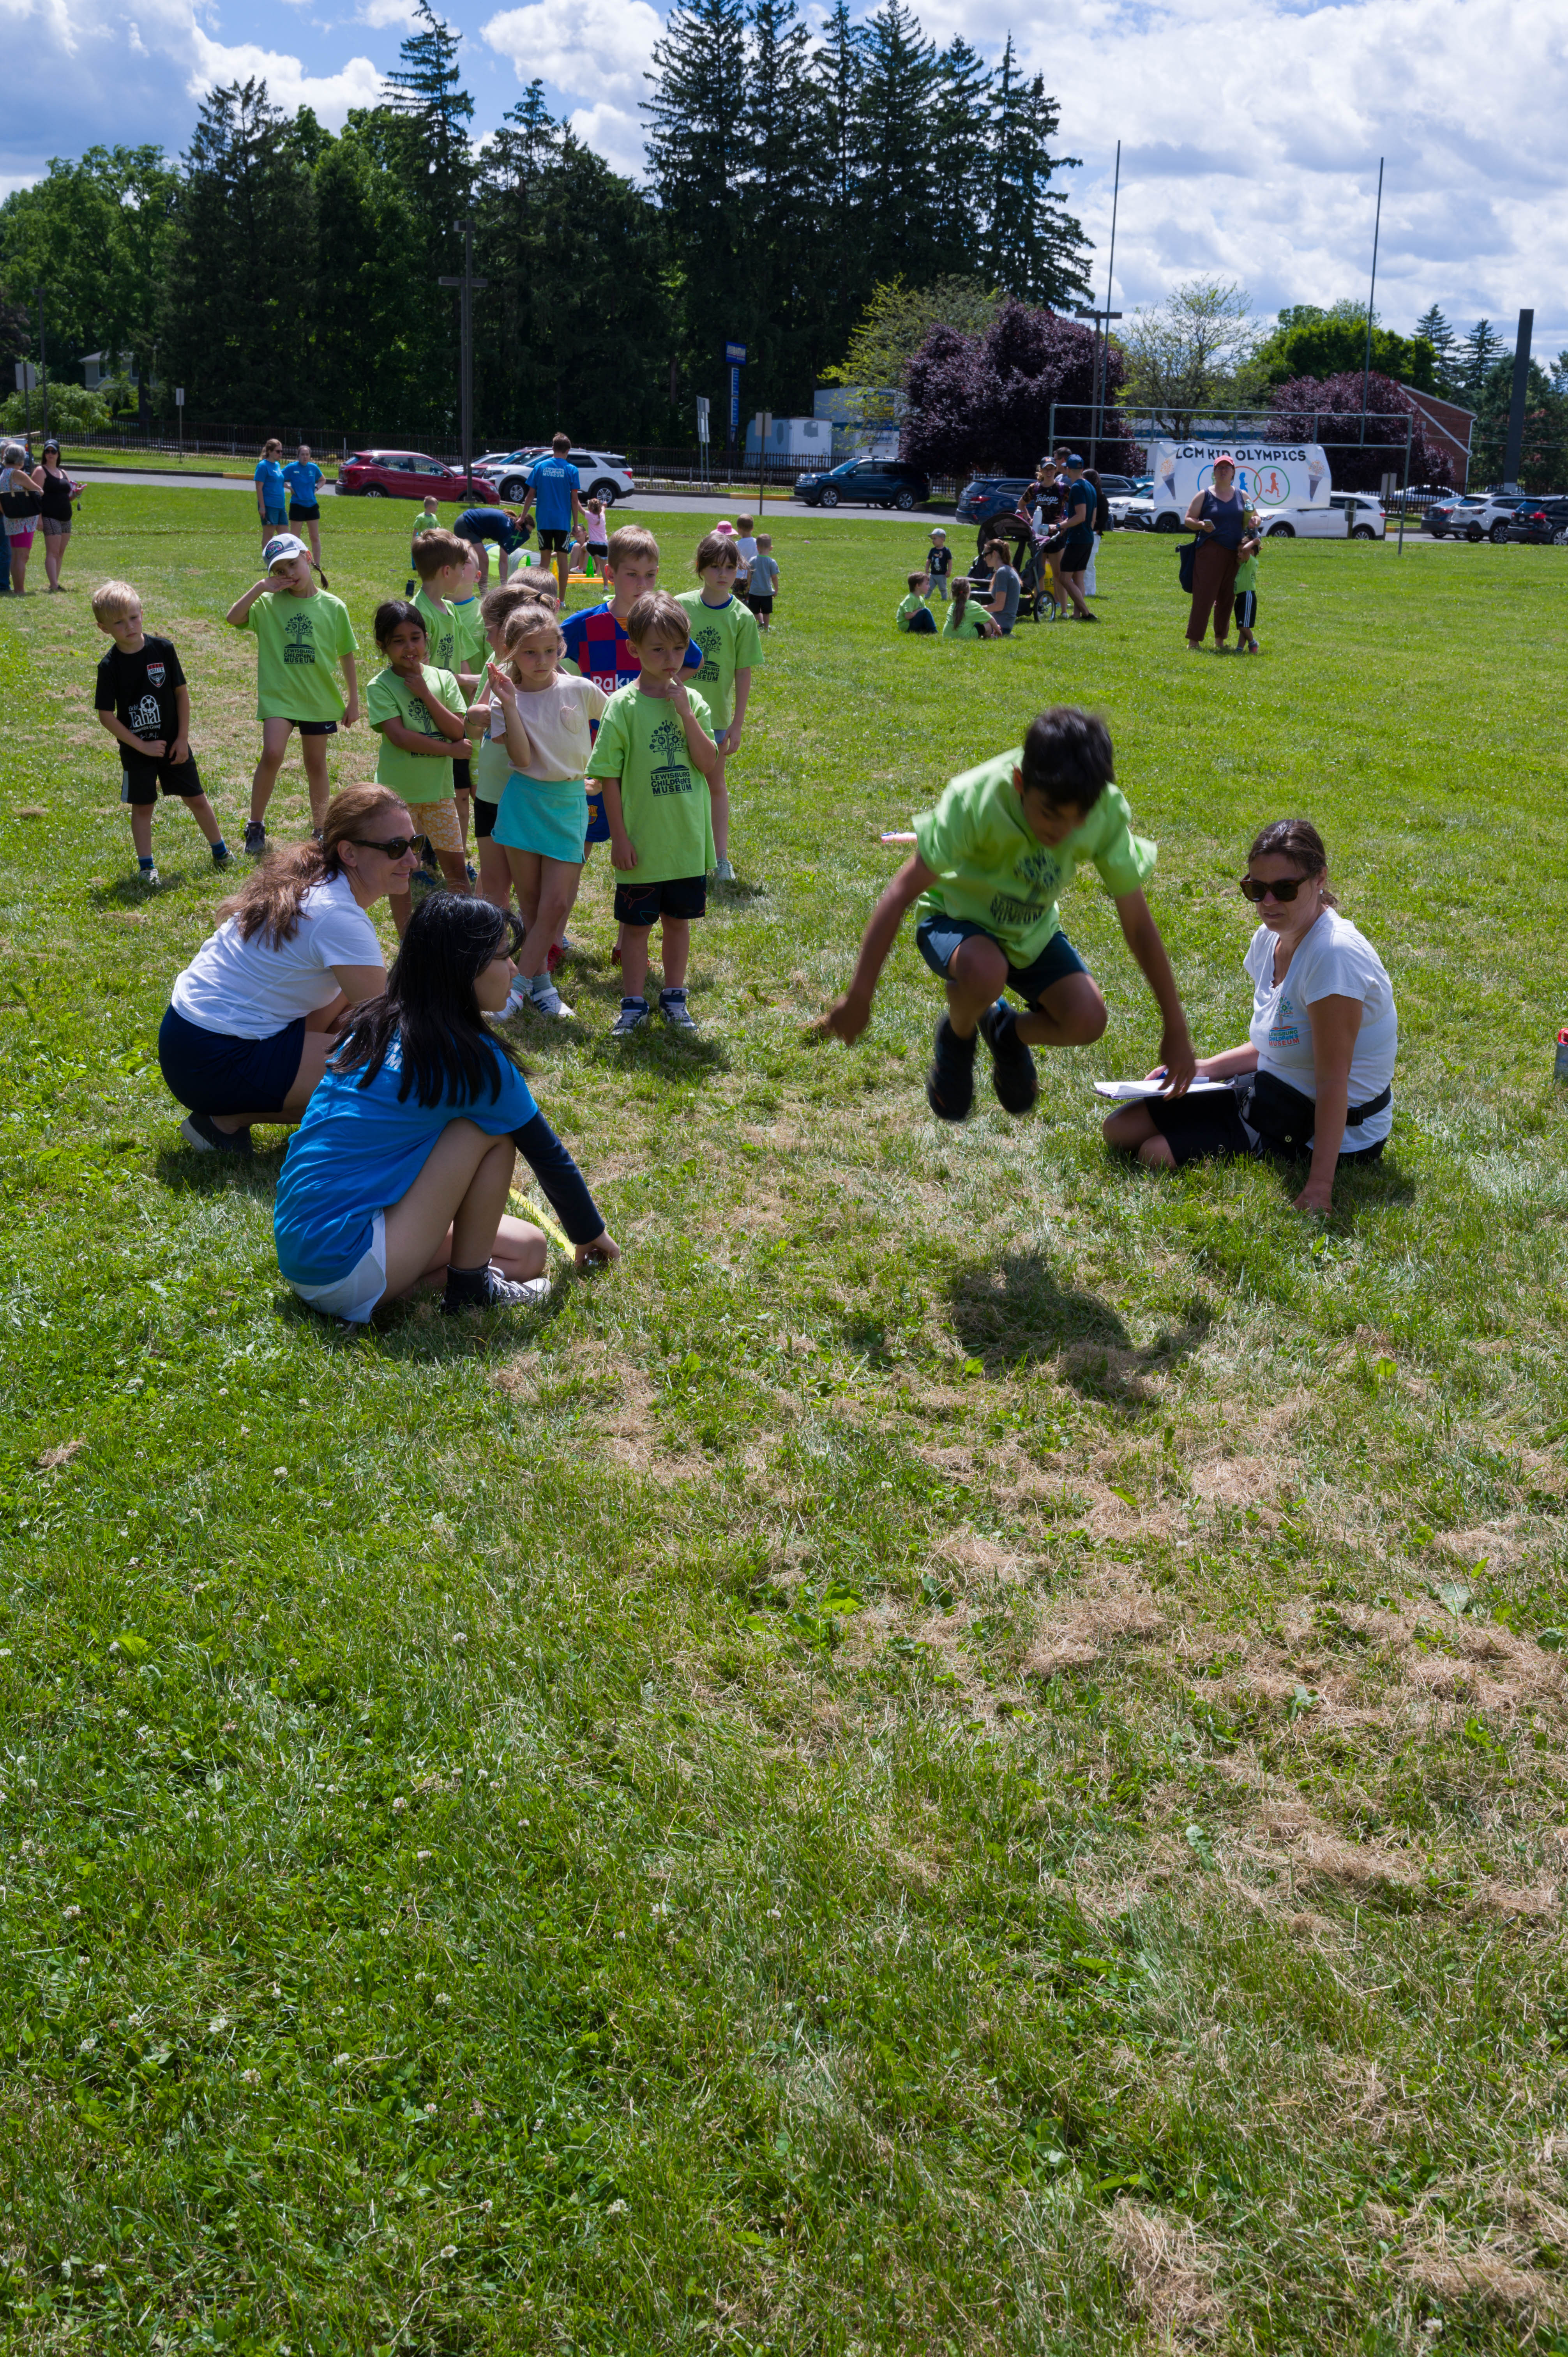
(255, 1016)
(400, 1171)
(1315, 1077)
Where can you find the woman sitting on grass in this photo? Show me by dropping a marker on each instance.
(400, 1171)
(255, 1016)
(1316, 1075)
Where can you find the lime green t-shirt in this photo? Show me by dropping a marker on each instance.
(300, 641)
(996, 871)
(910, 606)
(1247, 575)
(730, 641)
(971, 627)
(473, 648)
(443, 635)
(414, 776)
(663, 798)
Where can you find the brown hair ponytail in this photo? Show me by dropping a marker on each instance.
(269, 901)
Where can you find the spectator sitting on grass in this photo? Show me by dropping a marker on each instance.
(914, 614)
(966, 619)
(400, 1174)
(1004, 587)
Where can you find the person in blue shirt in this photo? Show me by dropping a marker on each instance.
(477, 525)
(399, 1173)
(553, 484)
(270, 488)
(303, 476)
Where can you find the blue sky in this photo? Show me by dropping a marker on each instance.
(1250, 138)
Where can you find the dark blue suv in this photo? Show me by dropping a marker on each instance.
(989, 496)
(868, 483)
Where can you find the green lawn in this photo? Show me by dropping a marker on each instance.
(968, 1753)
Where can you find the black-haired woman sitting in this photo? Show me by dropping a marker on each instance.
(399, 1173)
(1316, 1075)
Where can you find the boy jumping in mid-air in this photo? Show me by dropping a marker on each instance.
(145, 704)
(989, 860)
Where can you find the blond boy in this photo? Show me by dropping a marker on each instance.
(143, 702)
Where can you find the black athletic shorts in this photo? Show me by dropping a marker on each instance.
(142, 779)
(761, 604)
(315, 727)
(462, 775)
(553, 542)
(303, 515)
(484, 818)
(639, 904)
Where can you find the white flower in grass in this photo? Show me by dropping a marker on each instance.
(72, 1913)
(441, 1998)
(430, 2111)
(399, 1806)
(422, 1854)
(448, 2250)
(616, 2209)
(340, 2059)
(487, 2207)
(250, 2078)
(218, 2025)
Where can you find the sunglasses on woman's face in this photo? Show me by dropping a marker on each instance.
(393, 846)
(1285, 891)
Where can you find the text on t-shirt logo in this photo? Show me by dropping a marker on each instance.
(146, 715)
(1009, 911)
(1039, 867)
(301, 648)
(158, 673)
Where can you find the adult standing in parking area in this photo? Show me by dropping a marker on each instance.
(1218, 516)
(553, 484)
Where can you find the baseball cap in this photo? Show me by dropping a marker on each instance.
(281, 547)
(1224, 459)
(1072, 459)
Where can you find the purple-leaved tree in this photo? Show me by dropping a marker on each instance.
(985, 401)
(1334, 404)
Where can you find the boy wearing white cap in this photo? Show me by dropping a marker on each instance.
(300, 630)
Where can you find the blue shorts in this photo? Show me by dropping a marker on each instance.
(208, 1071)
(598, 825)
(275, 519)
(937, 938)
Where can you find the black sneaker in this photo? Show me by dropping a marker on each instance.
(255, 838)
(501, 1292)
(950, 1083)
(199, 1129)
(1012, 1073)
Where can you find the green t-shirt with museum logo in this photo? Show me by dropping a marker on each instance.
(300, 642)
(664, 801)
(995, 871)
(730, 641)
(415, 776)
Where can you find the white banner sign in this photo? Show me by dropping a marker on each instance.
(1274, 474)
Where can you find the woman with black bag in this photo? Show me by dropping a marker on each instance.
(1218, 516)
(1315, 1077)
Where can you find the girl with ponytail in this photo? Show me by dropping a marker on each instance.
(302, 632)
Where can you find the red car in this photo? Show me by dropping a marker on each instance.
(409, 475)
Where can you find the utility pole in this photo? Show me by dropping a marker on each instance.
(468, 282)
(1371, 294)
(43, 361)
(1514, 451)
(1102, 324)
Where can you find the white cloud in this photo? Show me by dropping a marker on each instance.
(1251, 148)
(11, 181)
(379, 14)
(615, 136)
(330, 96)
(590, 50)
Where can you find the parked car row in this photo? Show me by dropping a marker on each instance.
(498, 475)
(1498, 516)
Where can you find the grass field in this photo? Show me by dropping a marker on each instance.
(966, 1754)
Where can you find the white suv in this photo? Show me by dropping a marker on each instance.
(1350, 515)
(601, 472)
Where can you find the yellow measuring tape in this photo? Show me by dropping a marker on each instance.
(523, 1207)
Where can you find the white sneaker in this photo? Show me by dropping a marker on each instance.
(517, 998)
(723, 872)
(545, 999)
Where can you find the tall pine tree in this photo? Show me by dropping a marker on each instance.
(838, 72)
(696, 117)
(899, 79)
(1034, 247)
(961, 138)
(780, 167)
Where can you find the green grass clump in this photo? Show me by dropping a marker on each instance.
(967, 1753)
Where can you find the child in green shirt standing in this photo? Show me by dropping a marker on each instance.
(448, 571)
(301, 631)
(419, 711)
(730, 644)
(989, 863)
(1246, 590)
(658, 757)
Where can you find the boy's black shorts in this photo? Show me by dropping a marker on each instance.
(553, 542)
(142, 779)
(760, 603)
(484, 818)
(639, 905)
(1246, 608)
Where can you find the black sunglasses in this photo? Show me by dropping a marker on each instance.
(394, 846)
(1285, 891)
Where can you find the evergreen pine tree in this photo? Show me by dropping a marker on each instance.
(1435, 329)
(428, 92)
(781, 171)
(1033, 245)
(1479, 354)
(899, 79)
(695, 124)
(838, 72)
(960, 140)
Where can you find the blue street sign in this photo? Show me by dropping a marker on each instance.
(734, 356)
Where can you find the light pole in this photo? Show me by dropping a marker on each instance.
(43, 361)
(467, 281)
(1366, 362)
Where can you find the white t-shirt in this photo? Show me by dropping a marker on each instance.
(747, 546)
(249, 990)
(556, 720)
(1332, 961)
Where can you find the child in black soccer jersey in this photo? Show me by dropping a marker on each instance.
(143, 702)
